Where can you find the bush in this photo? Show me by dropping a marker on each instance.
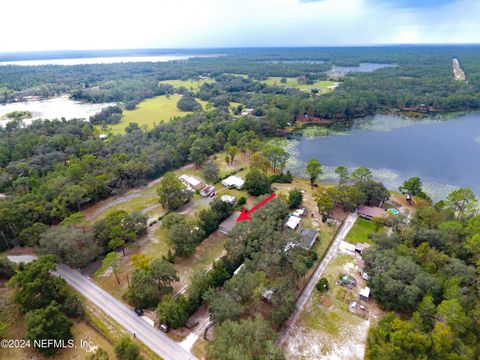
(323, 285)
(309, 263)
(282, 178)
(295, 198)
(6, 268)
(109, 115)
(241, 201)
(188, 103)
(257, 183)
(126, 349)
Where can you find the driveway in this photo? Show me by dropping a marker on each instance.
(157, 341)
(307, 291)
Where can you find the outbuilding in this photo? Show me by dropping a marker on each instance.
(229, 199)
(365, 293)
(207, 191)
(360, 247)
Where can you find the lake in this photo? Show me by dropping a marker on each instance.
(444, 153)
(106, 60)
(362, 67)
(54, 108)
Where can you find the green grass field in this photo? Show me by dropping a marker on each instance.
(151, 112)
(360, 232)
(293, 82)
(189, 84)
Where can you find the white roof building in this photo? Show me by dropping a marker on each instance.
(293, 222)
(365, 293)
(191, 181)
(228, 199)
(299, 212)
(233, 182)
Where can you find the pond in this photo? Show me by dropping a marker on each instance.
(444, 152)
(54, 108)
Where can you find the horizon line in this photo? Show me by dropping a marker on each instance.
(242, 47)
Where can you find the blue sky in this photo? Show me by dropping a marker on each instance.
(113, 24)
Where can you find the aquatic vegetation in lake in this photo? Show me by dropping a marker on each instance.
(313, 131)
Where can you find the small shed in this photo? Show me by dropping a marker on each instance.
(299, 212)
(365, 293)
(207, 191)
(227, 225)
(360, 247)
(229, 199)
(267, 294)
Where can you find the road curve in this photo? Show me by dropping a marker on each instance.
(307, 291)
(157, 341)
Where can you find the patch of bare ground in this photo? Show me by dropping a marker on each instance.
(326, 328)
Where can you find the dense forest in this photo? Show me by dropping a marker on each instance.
(52, 168)
(426, 274)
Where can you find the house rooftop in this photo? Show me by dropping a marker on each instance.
(233, 181)
(308, 237)
(365, 292)
(227, 225)
(293, 222)
(191, 180)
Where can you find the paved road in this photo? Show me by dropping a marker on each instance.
(307, 291)
(150, 336)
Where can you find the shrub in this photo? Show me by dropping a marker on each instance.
(241, 201)
(323, 285)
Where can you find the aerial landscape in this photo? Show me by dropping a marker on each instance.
(257, 180)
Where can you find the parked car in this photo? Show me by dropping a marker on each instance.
(138, 311)
(165, 328)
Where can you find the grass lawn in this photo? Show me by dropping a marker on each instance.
(360, 232)
(189, 84)
(151, 112)
(134, 205)
(293, 82)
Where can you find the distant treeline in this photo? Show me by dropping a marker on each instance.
(422, 79)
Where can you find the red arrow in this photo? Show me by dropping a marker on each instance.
(245, 214)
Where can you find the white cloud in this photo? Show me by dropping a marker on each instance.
(107, 24)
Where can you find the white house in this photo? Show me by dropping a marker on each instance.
(233, 182)
(192, 182)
